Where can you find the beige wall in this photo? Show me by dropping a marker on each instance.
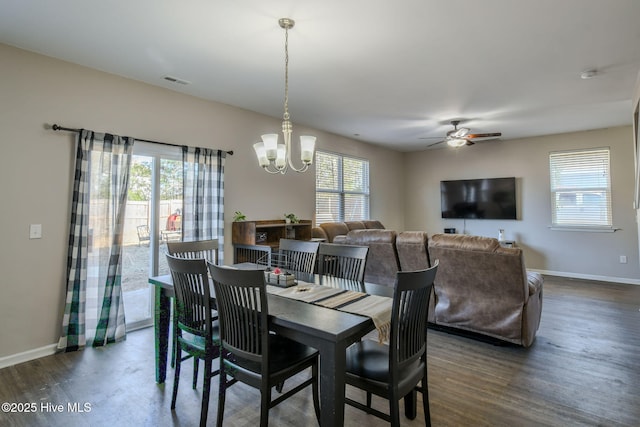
(570, 253)
(36, 172)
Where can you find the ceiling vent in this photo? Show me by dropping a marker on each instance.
(176, 80)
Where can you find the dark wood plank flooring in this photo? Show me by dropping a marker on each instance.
(583, 370)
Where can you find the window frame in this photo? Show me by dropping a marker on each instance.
(577, 189)
(340, 190)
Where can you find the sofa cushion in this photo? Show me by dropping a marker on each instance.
(464, 242)
(373, 224)
(333, 229)
(382, 260)
(355, 225)
(412, 250)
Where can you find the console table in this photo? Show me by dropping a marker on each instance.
(252, 240)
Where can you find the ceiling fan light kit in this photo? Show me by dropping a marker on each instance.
(274, 157)
(456, 142)
(458, 137)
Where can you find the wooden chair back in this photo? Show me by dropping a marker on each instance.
(192, 296)
(345, 261)
(207, 249)
(408, 337)
(243, 312)
(298, 255)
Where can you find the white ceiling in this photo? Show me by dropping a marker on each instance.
(393, 73)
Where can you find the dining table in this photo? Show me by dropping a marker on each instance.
(328, 330)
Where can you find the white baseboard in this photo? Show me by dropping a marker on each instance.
(28, 355)
(625, 280)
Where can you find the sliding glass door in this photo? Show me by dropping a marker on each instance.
(153, 217)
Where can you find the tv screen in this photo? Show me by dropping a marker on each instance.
(489, 198)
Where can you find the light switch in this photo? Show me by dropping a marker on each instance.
(35, 231)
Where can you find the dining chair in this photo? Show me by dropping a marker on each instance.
(393, 370)
(207, 249)
(249, 352)
(197, 334)
(298, 255)
(345, 261)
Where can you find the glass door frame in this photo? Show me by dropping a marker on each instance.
(157, 152)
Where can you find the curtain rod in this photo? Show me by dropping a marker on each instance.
(58, 127)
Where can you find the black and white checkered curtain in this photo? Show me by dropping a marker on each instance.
(94, 311)
(203, 174)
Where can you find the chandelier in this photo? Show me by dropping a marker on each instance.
(274, 157)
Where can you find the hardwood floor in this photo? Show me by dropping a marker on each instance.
(582, 370)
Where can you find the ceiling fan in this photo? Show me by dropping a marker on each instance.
(457, 137)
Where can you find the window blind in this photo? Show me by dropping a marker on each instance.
(342, 188)
(580, 188)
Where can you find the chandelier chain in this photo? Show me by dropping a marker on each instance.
(286, 74)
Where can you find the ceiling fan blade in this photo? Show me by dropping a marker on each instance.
(435, 143)
(469, 142)
(484, 135)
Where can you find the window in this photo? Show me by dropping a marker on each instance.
(580, 188)
(342, 188)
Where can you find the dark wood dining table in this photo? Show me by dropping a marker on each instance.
(329, 331)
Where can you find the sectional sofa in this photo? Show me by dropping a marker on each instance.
(481, 287)
(389, 251)
(484, 288)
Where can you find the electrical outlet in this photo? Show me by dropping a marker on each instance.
(35, 231)
(623, 259)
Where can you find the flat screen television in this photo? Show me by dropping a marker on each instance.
(488, 198)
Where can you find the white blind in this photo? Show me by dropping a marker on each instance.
(580, 188)
(342, 188)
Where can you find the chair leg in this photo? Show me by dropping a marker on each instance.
(221, 393)
(368, 399)
(411, 405)
(174, 336)
(196, 364)
(206, 392)
(176, 380)
(425, 401)
(315, 392)
(394, 410)
(265, 400)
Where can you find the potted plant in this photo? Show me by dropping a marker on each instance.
(239, 216)
(291, 218)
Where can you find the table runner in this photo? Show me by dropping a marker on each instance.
(376, 307)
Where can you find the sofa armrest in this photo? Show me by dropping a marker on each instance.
(318, 233)
(333, 229)
(534, 282)
(341, 239)
(532, 310)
